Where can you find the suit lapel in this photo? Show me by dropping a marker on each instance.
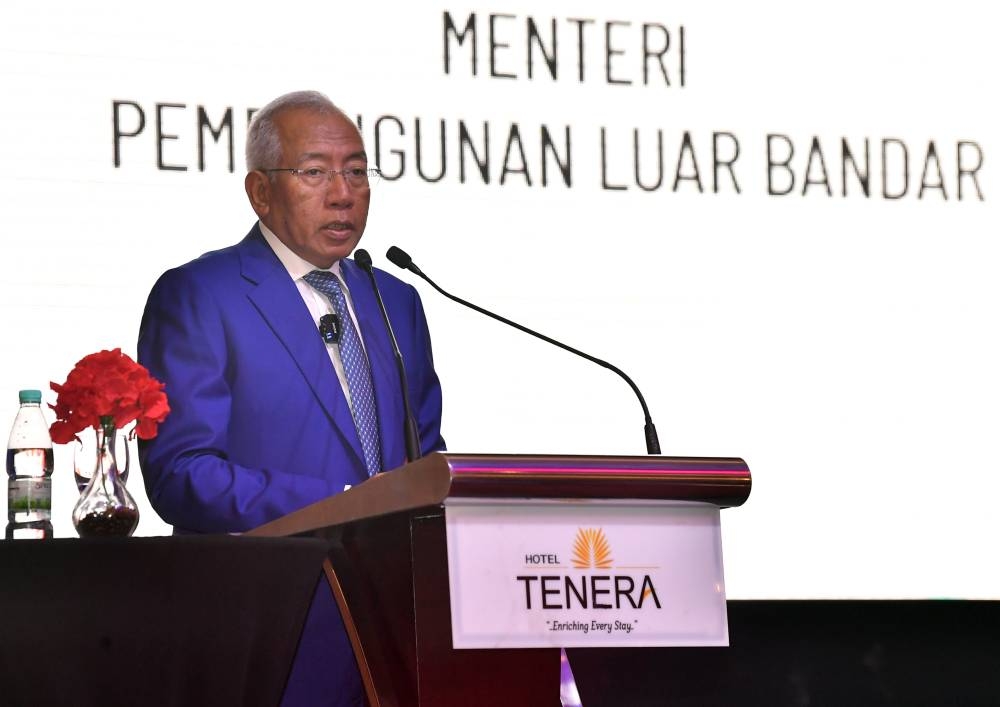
(385, 378)
(278, 300)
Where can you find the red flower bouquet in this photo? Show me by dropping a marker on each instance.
(108, 387)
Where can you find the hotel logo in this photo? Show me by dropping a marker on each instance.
(592, 581)
(591, 550)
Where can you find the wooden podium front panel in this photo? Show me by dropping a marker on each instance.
(373, 565)
(393, 572)
(458, 678)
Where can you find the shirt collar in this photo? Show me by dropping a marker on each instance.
(297, 267)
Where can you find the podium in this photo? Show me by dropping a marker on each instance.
(388, 563)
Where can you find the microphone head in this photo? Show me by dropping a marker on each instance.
(399, 258)
(362, 258)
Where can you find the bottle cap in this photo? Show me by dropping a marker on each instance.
(30, 396)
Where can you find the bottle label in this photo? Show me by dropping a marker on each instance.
(29, 499)
(34, 461)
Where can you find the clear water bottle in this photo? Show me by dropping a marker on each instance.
(29, 471)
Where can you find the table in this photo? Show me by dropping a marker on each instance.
(182, 620)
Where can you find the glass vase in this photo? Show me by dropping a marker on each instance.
(105, 508)
(87, 449)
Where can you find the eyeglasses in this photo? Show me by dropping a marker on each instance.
(356, 177)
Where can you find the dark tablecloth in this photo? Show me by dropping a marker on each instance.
(194, 620)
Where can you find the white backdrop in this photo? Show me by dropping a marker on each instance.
(843, 344)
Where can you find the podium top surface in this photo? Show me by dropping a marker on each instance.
(438, 477)
(722, 481)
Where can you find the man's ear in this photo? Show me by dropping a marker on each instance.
(258, 188)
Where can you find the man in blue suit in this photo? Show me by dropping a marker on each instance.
(267, 416)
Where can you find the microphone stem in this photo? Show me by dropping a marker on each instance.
(411, 435)
(652, 441)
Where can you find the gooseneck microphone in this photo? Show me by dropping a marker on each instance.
(401, 259)
(410, 434)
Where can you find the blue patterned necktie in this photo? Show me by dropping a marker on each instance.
(359, 375)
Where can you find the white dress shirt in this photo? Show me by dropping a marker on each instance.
(316, 301)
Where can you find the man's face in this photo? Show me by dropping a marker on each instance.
(320, 224)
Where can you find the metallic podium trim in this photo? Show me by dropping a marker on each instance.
(352, 633)
(723, 481)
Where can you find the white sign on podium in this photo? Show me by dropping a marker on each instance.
(532, 574)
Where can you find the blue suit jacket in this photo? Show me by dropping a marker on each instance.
(259, 425)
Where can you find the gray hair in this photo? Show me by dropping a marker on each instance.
(263, 149)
